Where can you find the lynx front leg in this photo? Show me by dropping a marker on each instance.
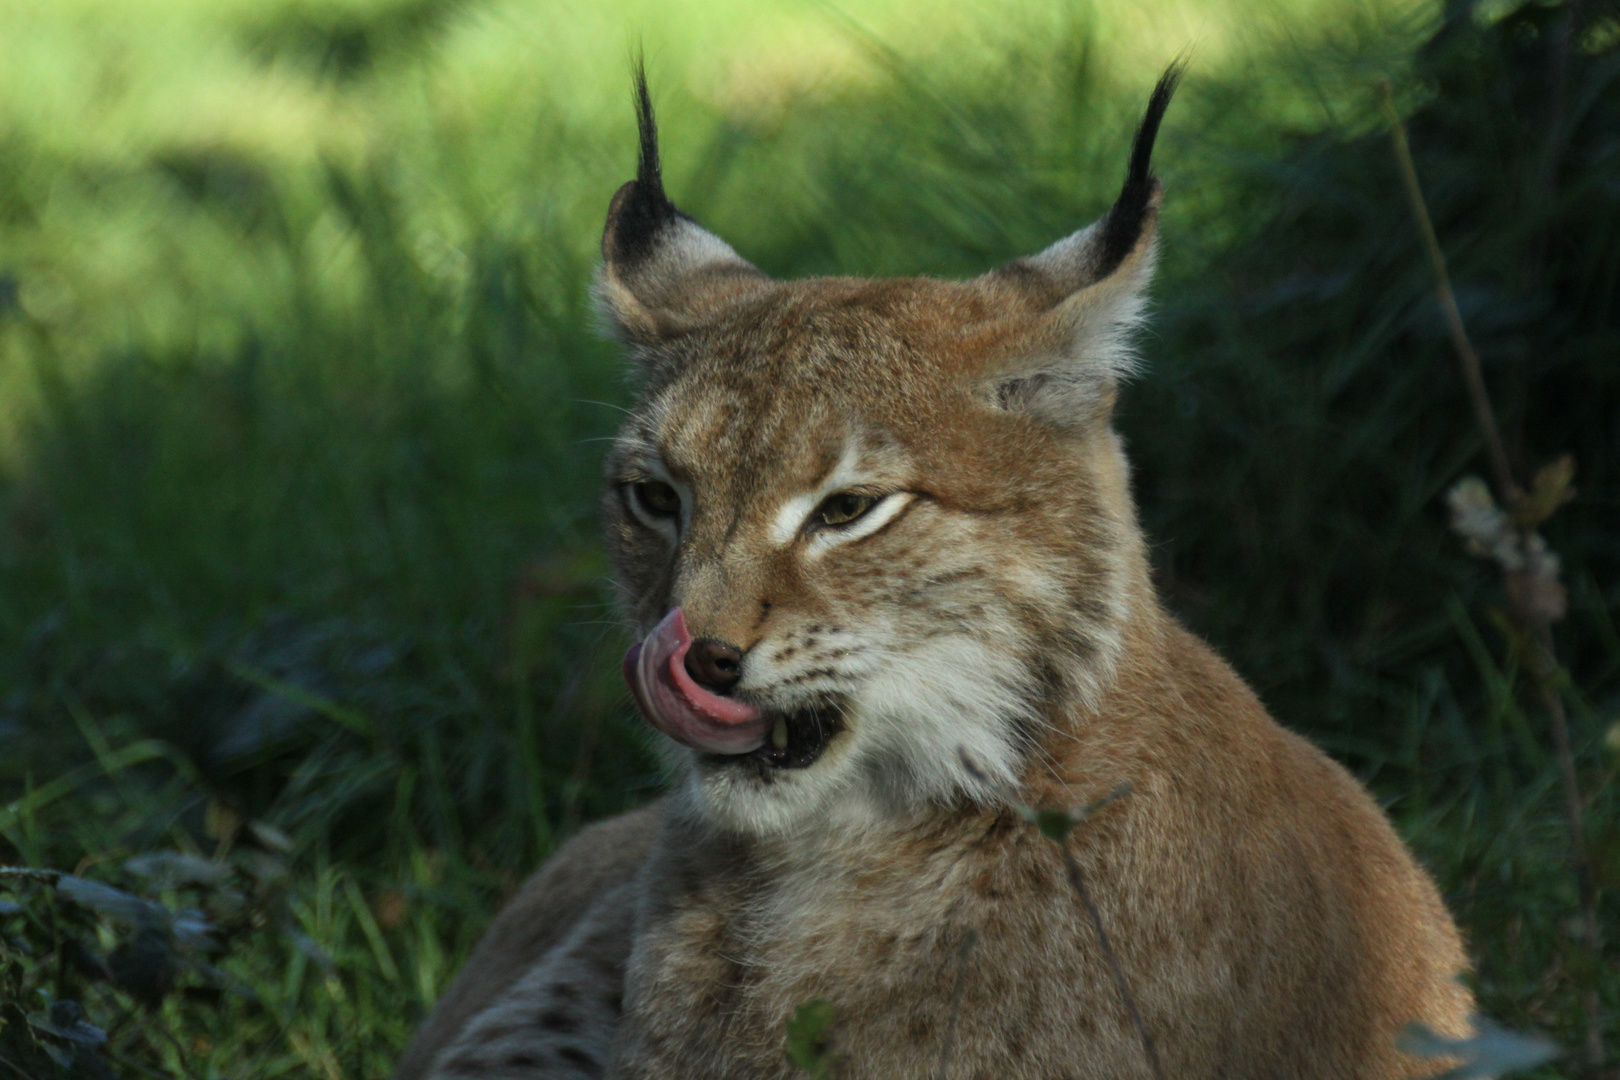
(558, 1021)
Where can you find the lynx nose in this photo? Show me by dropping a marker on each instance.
(714, 665)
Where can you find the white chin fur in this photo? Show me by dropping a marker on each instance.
(910, 725)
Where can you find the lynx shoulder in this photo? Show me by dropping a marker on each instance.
(879, 547)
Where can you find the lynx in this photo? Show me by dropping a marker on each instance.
(878, 543)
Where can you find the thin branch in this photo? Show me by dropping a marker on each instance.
(1530, 616)
(1078, 881)
(1473, 378)
(1544, 669)
(30, 873)
(1557, 136)
(1057, 826)
(969, 940)
(1563, 43)
(15, 1068)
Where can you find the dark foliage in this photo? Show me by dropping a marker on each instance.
(87, 969)
(1305, 396)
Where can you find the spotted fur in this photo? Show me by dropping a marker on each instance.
(985, 633)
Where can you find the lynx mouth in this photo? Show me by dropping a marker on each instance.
(680, 707)
(722, 728)
(797, 741)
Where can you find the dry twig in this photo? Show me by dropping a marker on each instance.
(1503, 530)
(1056, 825)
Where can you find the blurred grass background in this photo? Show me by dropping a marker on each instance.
(301, 404)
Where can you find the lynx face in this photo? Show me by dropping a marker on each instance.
(867, 527)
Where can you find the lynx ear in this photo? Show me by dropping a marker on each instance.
(662, 273)
(1085, 295)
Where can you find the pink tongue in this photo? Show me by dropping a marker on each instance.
(675, 704)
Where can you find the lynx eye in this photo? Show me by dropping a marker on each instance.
(656, 498)
(843, 508)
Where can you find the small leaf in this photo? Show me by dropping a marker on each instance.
(265, 870)
(1119, 792)
(29, 873)
(65, 1020)
(1054, 824)
(193, 930)
(111, 903)
(270, 837)
(1057, 824)
(1551, 489)
(809, 1037)
(308, 946)
(1490, 1051)
(221, 822)
(166, 869)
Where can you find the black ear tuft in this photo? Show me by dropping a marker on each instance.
(641, 209)
(1123, 225)
(649, 173)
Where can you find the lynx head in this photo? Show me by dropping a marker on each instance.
(865, 526)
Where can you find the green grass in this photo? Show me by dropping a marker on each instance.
(301, 404)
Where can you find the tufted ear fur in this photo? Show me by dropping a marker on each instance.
(662, 272)
(1084, 296)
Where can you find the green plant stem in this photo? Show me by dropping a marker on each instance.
(1078, 882)
(1544, 667)
(1473, 378)
(14, 1068)
(949, 1045)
